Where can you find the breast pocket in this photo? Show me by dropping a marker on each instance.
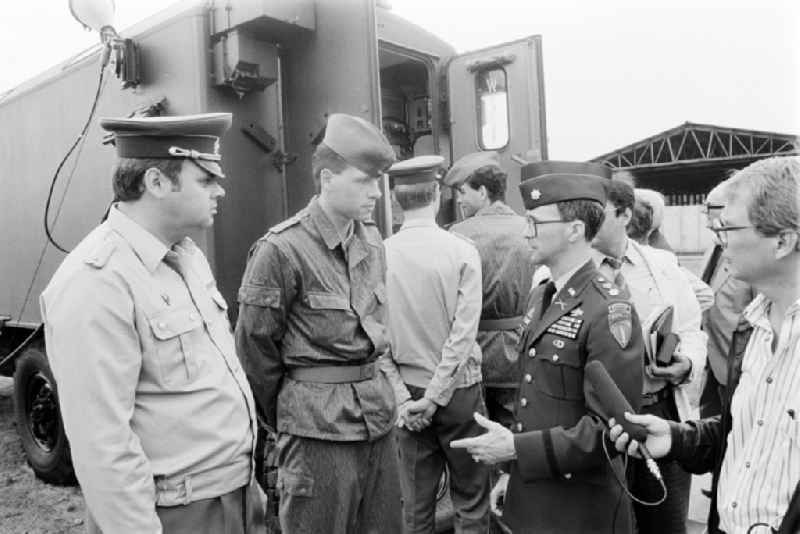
(558, 368)
(175, 331)
(328, 315)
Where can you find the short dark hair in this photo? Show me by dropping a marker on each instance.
(129, 174)
(492, 178)
(415, 196)
(587, 211)
(621, 195)
(641, 222)
(325, 158)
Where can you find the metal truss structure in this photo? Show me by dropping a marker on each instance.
(692, 143)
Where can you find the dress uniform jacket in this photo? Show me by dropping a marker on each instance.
(309, 300)
(561, 481)
(498, 233)
(155, 403)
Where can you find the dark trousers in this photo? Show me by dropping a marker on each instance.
(338, 487)
(670, 516)
(423, 456)
(242, 511)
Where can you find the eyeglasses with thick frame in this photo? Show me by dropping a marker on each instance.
(533, 223)
(721, 230)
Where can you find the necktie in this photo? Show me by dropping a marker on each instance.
(610, 268)
(547, 297)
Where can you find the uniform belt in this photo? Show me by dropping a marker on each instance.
(649, 399)
(508, 323)
(333, 374)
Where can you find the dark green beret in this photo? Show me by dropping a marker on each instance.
(548, 182)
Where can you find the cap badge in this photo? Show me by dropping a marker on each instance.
(536, 194)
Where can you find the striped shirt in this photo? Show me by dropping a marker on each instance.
(762, 464)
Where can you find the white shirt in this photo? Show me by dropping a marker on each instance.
(762, 462)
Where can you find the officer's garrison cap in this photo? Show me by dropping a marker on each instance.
(195, 137)
(466, 166)
(360, 143)
(419, 170)
(548, 182)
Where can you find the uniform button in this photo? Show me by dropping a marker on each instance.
(528, 378)
(734, 504)
(523, 402)
(532, 352)
(162, 325)
(555, 357)
(769, 380)
(760, 422)
(192, 316)
(568, 475)
(519, 427)
(747, 465)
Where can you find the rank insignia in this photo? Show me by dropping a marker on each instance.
(577, 312)
(620, 322)
(536, 194)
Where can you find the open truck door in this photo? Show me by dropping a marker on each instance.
(496, 102)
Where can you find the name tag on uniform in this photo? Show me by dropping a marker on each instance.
(566, 326)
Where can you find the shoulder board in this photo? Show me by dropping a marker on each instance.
(99, 256)
(607, 287)
(288, 223)
(463, 237)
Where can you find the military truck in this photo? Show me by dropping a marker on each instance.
(281, 67)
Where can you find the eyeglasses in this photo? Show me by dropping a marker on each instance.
(721, 230)
(533, 224)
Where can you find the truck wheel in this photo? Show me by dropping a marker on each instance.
(39, 419)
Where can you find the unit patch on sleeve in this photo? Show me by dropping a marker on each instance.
(620, 322)
(567, 326)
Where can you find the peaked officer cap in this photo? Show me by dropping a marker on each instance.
(359, 143)
(548, 182)
(195, 137)
(466, 166)
(419, 170)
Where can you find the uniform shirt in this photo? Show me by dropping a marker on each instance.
(308, 300)
(731, 296)
(498, 233)
(761, 466)
(433, 282)
(155, 404)
(653, 278)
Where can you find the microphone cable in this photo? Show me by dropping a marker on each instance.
(651, 466)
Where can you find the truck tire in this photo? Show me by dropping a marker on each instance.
(39, 419)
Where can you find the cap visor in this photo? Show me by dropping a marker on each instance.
(210, 166)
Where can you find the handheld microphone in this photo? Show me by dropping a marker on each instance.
(615, 403)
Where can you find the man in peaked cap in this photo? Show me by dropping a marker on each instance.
(311, 328)
(435, 362)
(560, 479)
(159, 415)
(498, 233)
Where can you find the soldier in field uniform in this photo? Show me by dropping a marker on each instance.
(560, 479)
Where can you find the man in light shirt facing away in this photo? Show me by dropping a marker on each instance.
(433, 283)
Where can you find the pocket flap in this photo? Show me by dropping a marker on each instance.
(295, 483)
(170, 323)
(327, 301)
(266, 297)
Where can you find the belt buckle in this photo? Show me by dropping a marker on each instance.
(366, 371)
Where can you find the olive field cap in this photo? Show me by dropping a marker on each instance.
(419, 170)
(360, 143)
(465, 166)
(549, 182)
(195, 137)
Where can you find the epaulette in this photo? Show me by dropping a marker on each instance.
(463, 238)
(606, 287)
(99, 256)
(288, 223)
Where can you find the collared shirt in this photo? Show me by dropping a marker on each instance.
(762, 463)
(434, 292)
(507, 270)
(653, 278)
(308, 301)
(155, 404)
(731, 296)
